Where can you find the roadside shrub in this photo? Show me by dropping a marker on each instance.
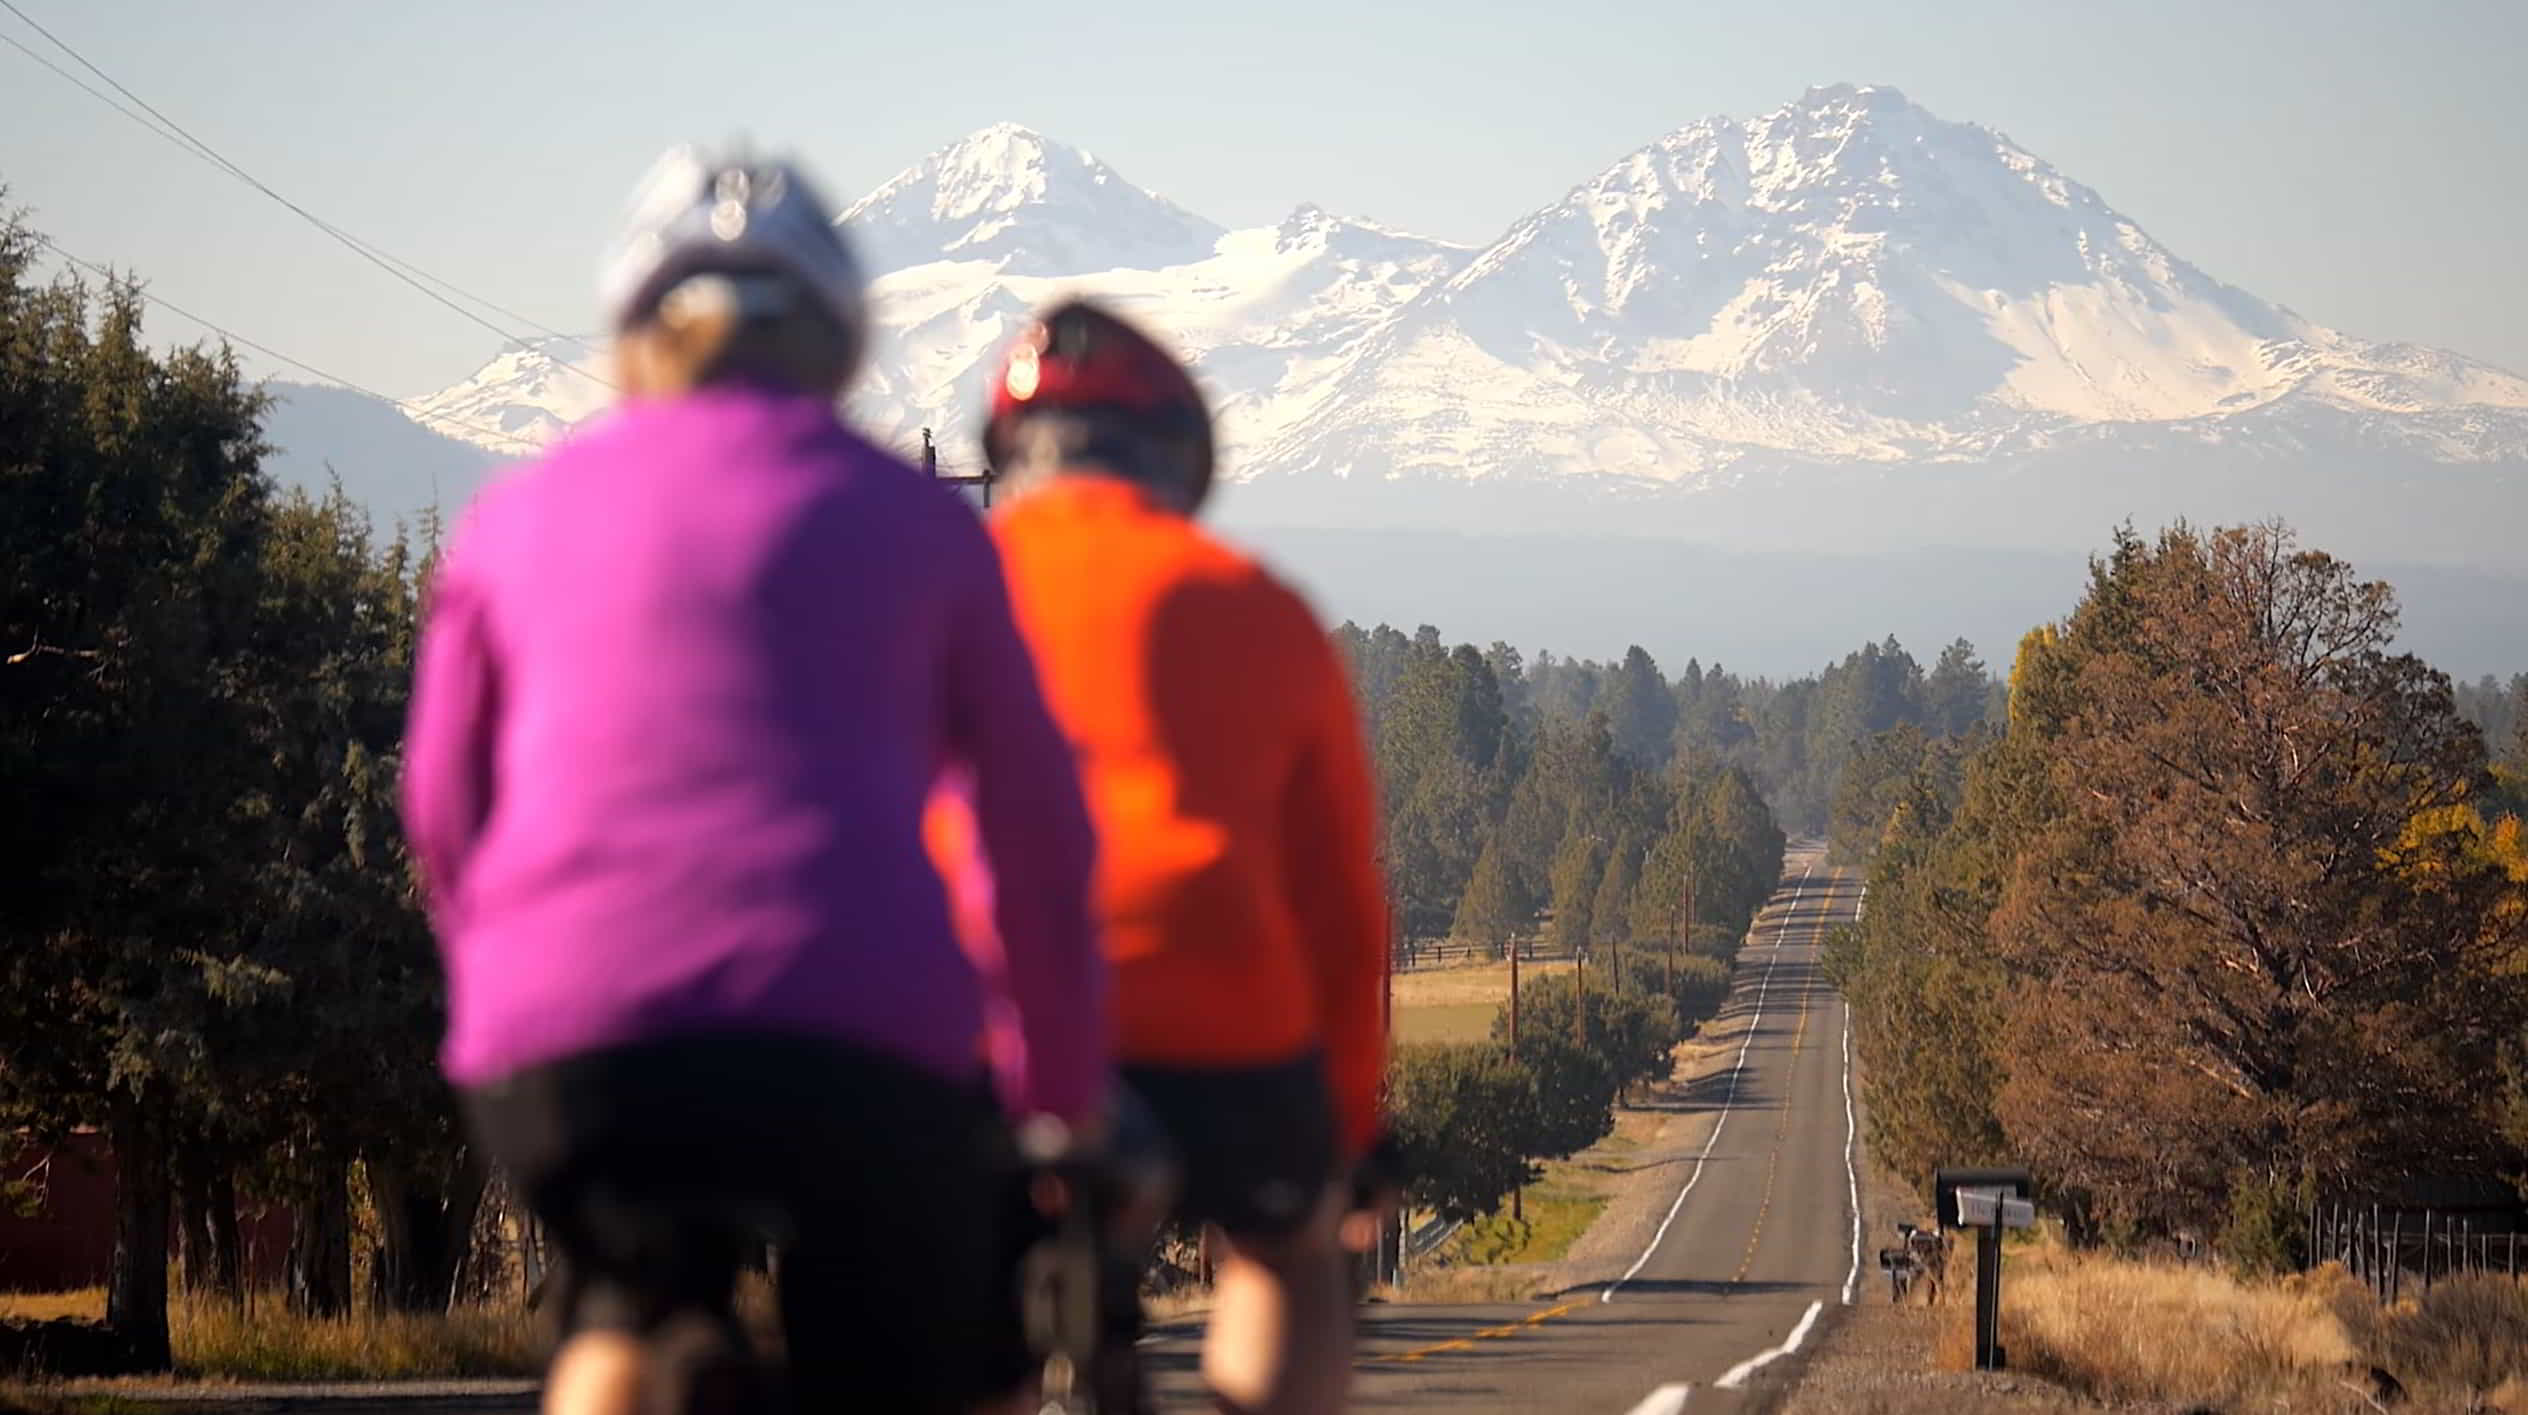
(2263, 1235)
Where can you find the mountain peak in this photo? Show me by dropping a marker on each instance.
(1008, 152)
(1878, 98)
(1035, 206)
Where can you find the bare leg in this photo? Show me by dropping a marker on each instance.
(1281, 1322)
(595, 1373)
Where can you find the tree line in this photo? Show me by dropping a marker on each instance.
(1584, 793)
(2230, 912)
(1552, 804)
(210, 948)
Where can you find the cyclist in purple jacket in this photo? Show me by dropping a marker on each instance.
(684, 688)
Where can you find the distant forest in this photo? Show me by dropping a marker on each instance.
(1569, 771)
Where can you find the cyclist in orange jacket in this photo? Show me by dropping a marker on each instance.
(1237, 885)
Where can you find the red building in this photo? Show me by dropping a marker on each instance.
(66, 1240)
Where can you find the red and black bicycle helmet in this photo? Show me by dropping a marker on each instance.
(1079, 360)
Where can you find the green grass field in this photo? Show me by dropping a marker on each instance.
(1557, 1214)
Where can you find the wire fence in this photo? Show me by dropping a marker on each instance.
(2392, 1248)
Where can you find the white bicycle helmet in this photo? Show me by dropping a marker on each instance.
(697, 214)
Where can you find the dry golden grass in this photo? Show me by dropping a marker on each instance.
(2119, 1330)
(2137, 1331)
(265, 1341)
(268, 1342)
(1478, 982)
(80, 1304)
(1446, 1022)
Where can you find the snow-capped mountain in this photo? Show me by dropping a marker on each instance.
(1848, 278)
(1847, 289)
(1029, 206)
(529, 394)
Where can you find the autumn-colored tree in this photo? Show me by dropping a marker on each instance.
(2265, 935)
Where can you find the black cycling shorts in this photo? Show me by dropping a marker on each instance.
(1256, 1144)
(657, 1167)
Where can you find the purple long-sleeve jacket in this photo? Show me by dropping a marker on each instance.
(684, 688)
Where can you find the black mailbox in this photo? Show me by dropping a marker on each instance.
(1946, 1182)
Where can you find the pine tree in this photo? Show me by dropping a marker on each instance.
(1642, 710)
(130, 504)
(1611, 911)
(1578, 866)
(1493, 910)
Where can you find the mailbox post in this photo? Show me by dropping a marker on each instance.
(1988, 1201)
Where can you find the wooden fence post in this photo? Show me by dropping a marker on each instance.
(2396, 1255)
(2378, 1270)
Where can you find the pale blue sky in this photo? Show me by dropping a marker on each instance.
(2365, 163)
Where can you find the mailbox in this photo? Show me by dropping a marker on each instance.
(1981, 1208)
(1946, 1184)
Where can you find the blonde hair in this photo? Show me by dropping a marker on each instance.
(717, 328)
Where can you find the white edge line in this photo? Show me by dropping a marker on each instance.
(1666, 1400)
(1851, 1162)
(1738, 1374)
(1727, 1102)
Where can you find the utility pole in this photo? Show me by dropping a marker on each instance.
(983, 480)
(1580, 993)
(1685, 924)
(1514, 996)
(1391, 1227)
(1518, 1193)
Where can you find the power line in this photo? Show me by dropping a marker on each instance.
(169, 129)
(416, 409)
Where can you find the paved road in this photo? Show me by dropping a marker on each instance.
(1760, 1230)
(1759, 1233)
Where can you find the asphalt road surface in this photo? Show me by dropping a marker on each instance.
(1759, 1243)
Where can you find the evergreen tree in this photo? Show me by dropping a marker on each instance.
(1642, 710)
(1465, 1116)
(1494, 909)
(1575, 1079)
(1577, 868)
(1958, 691)
(130, 506)
(1610, 912)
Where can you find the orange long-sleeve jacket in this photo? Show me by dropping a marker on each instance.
(1222, 758)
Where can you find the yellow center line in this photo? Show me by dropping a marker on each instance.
(1773, 1162)
(1487, 1333)
(1772, 1167)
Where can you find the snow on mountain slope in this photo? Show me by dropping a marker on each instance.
(1848, 281)
(1848, 277)
(534, 391)
(1008, 195)
(1267, 312)
(1267, 316)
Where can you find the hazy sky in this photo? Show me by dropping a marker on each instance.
(2364, 163)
